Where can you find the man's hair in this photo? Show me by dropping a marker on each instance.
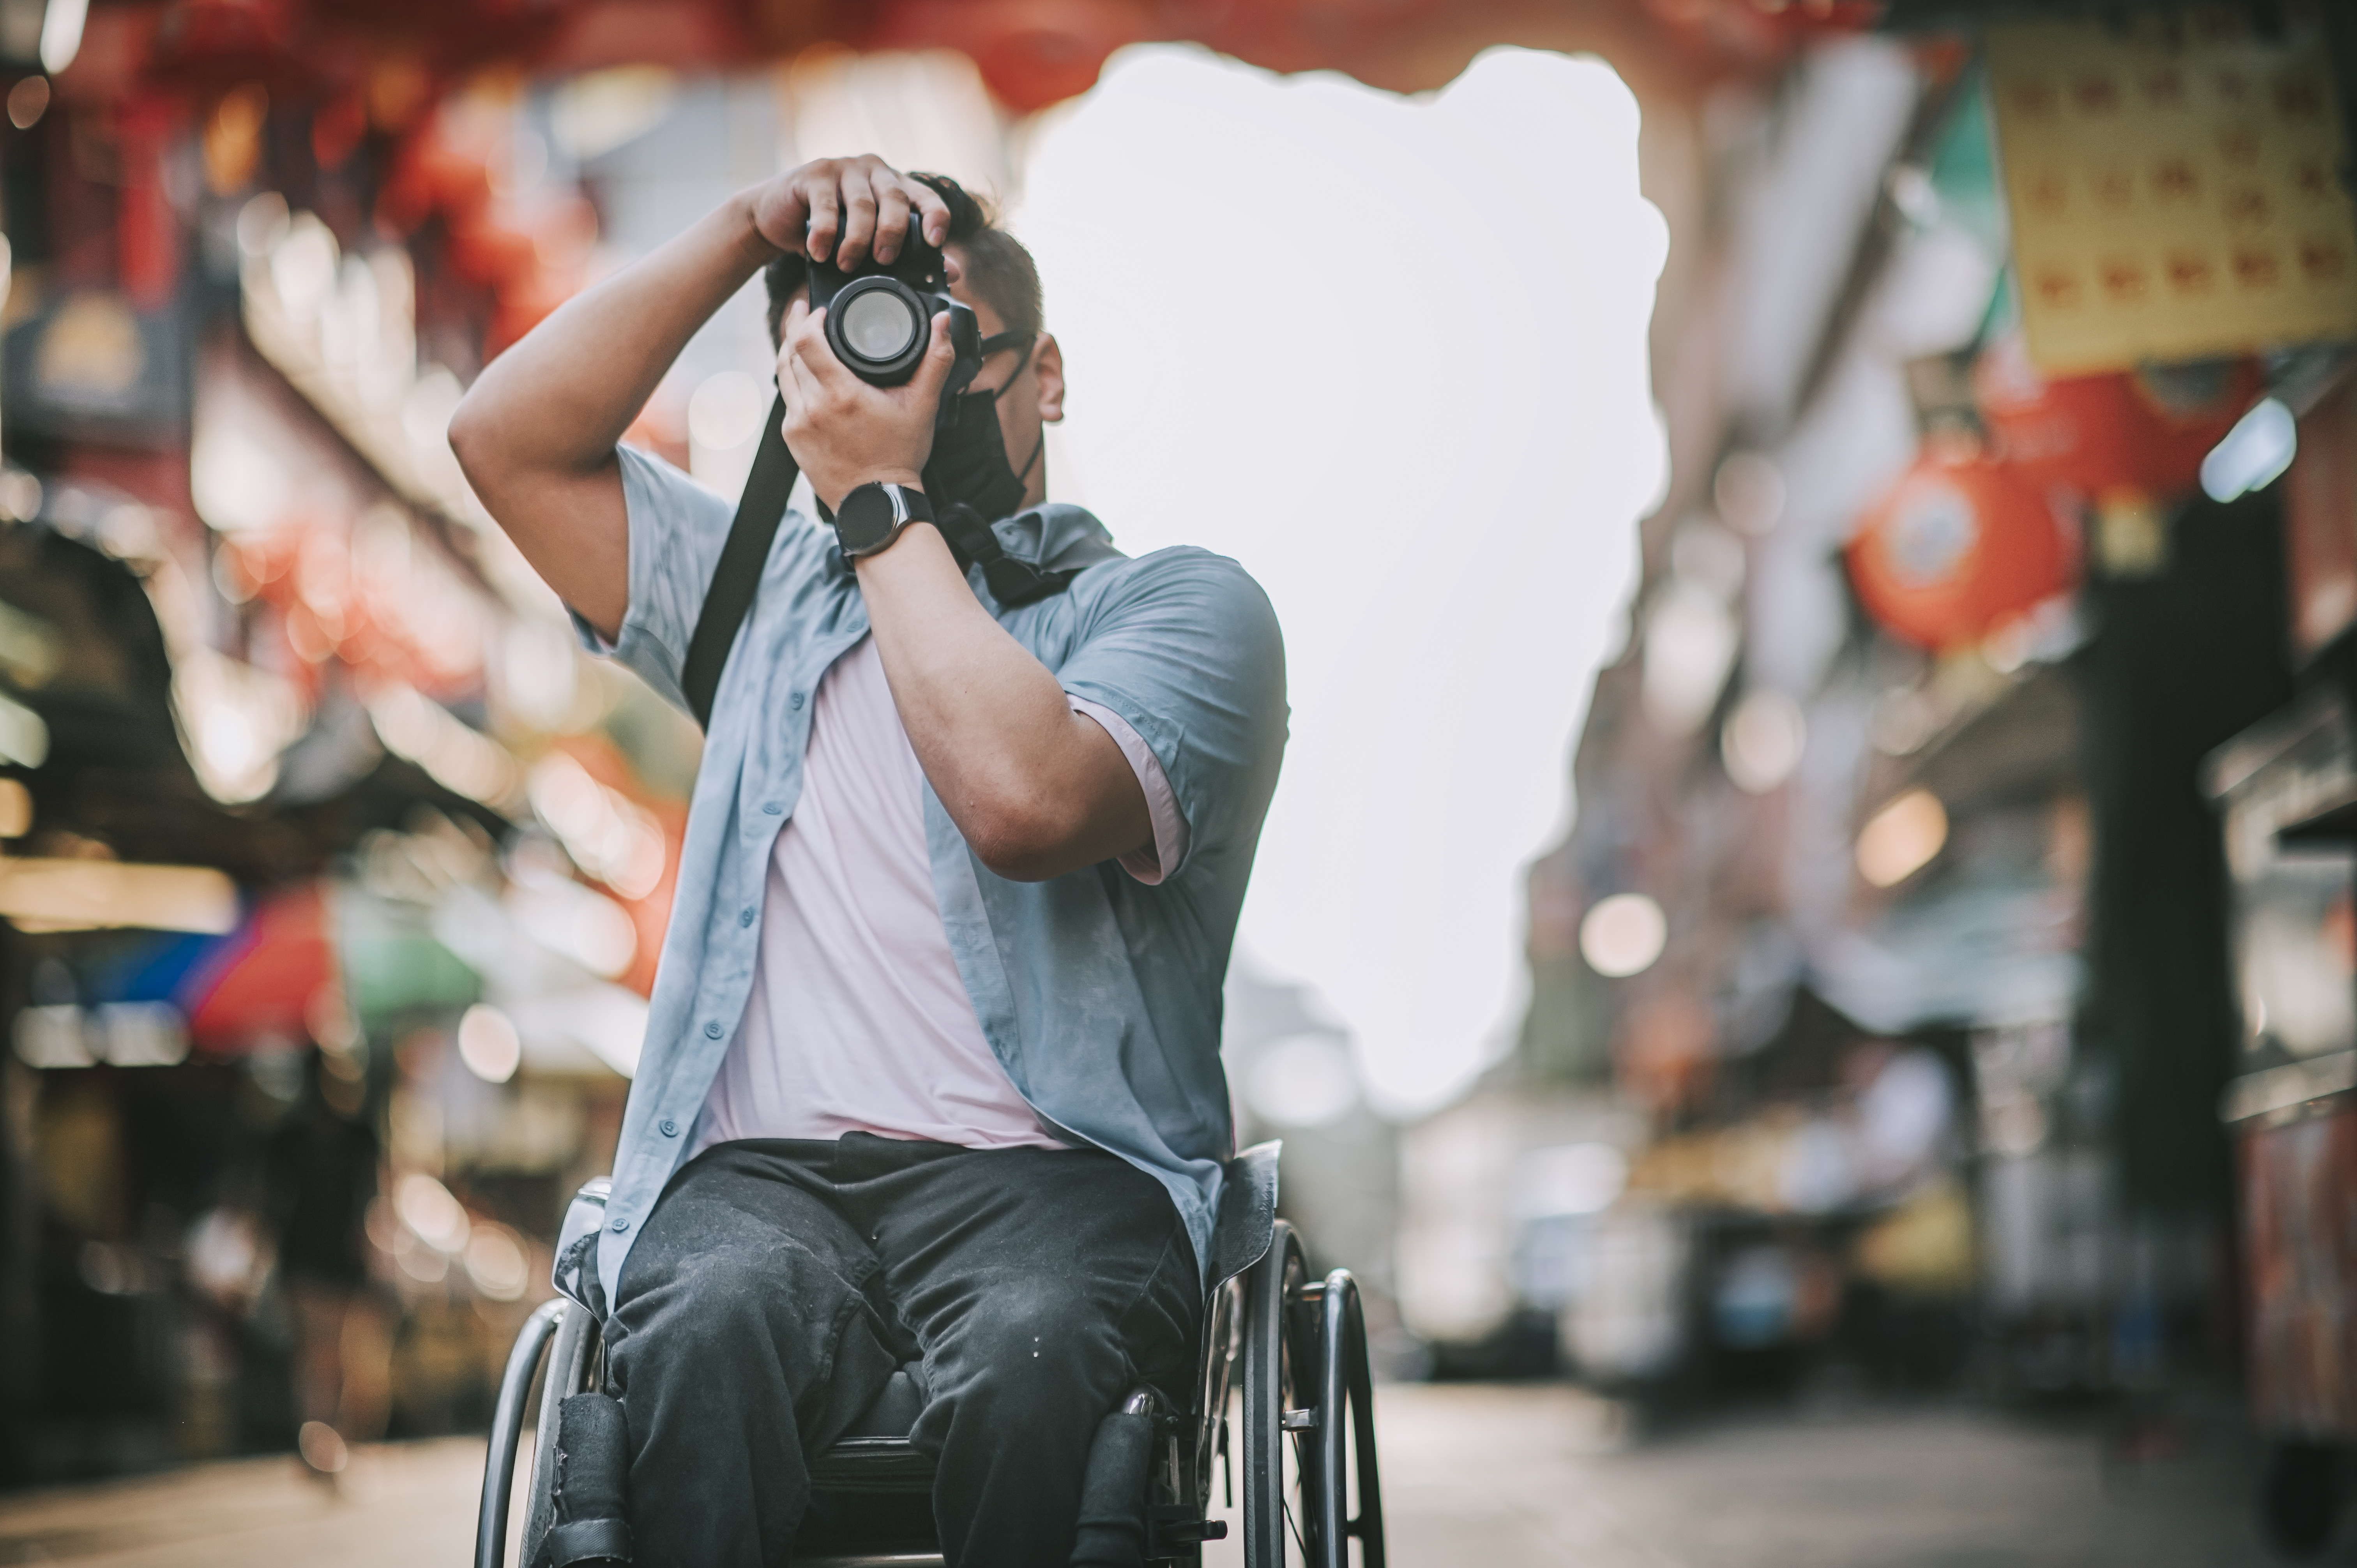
(998, 268)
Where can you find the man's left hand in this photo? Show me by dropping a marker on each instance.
(846, 433)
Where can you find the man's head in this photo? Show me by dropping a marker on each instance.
(992, 273)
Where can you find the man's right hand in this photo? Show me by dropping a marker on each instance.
(536, 433)
(845, 208)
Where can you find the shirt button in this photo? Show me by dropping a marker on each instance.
(745, 916)
(619, 1225)
(670, 1128)
(773, 809)
(795, 701)
(712, 1031)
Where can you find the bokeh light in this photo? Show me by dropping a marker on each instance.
(1623, 935)
(1902, 838)
(488, 1043)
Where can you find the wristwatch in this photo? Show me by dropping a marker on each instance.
(873, 515)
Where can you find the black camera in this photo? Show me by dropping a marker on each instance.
(880, 317)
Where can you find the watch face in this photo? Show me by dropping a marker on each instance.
(868, 521)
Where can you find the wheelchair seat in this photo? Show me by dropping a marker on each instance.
(874, 1456)
(1264, 1334)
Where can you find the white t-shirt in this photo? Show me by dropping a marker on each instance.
(858, 1021)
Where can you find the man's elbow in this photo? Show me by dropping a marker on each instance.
(1021, 840)
(471, 441)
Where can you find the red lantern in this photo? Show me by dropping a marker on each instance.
(1031, 53)
(1959, 546)
(2144, 433)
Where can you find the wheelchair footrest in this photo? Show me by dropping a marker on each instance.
(1175, 1525)
(587, 1540)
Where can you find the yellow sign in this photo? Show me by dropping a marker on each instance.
(2174, 188)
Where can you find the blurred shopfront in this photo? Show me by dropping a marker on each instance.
(1960, 882)
(333, 876)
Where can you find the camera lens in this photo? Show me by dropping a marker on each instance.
(879, 324)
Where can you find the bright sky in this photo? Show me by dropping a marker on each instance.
(1390, 354)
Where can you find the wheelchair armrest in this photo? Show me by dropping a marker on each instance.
(1246, 1222)
(584, 1218)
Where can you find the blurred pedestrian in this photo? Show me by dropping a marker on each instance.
(322, 1174)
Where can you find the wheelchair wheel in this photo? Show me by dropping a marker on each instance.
(572, 1368)
(1309, 1438)
(507, 1428)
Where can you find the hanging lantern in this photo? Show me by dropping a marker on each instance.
(2137, 434)
(1958, 547)
(1032, 53)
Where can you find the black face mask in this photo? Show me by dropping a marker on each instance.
(972, 486)
(969, 466)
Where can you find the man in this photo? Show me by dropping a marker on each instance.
(931, 1065)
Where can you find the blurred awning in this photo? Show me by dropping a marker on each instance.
(1032, 52)
(260, 983)
(538, 953)
(125, 705)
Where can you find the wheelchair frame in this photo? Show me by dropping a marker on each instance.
(1290, 1349)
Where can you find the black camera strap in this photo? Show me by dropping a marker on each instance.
(754, 529)
(739, 572)
(1012, 582)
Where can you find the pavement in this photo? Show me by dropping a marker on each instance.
(1552, 1476)
(1494, 1475)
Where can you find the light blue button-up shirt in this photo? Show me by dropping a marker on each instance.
(1100, 996)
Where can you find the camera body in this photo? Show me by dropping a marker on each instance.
(880, 317)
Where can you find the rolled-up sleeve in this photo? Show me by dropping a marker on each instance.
(1169, 845)
(1183, 646)
(677, 528)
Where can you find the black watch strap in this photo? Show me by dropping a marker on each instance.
(873, 515)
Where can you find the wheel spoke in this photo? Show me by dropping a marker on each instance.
(1296, 1504)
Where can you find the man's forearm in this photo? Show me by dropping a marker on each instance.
(536, 433)
(1036, 788)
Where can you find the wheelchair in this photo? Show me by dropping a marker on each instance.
(1285, 1352)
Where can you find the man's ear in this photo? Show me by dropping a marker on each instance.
(1048, 367)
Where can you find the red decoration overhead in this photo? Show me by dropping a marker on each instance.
(147, 232)
(531, 255)
(2140, 434)
(1032, 52)
(1958, 547)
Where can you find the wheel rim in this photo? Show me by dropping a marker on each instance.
(1296, 1451)
(1349, 1492)
(1279, 1375)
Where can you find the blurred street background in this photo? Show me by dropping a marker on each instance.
(1830, 1036)
(1522, 1476)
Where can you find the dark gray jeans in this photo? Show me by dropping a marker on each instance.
(778, 1282)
